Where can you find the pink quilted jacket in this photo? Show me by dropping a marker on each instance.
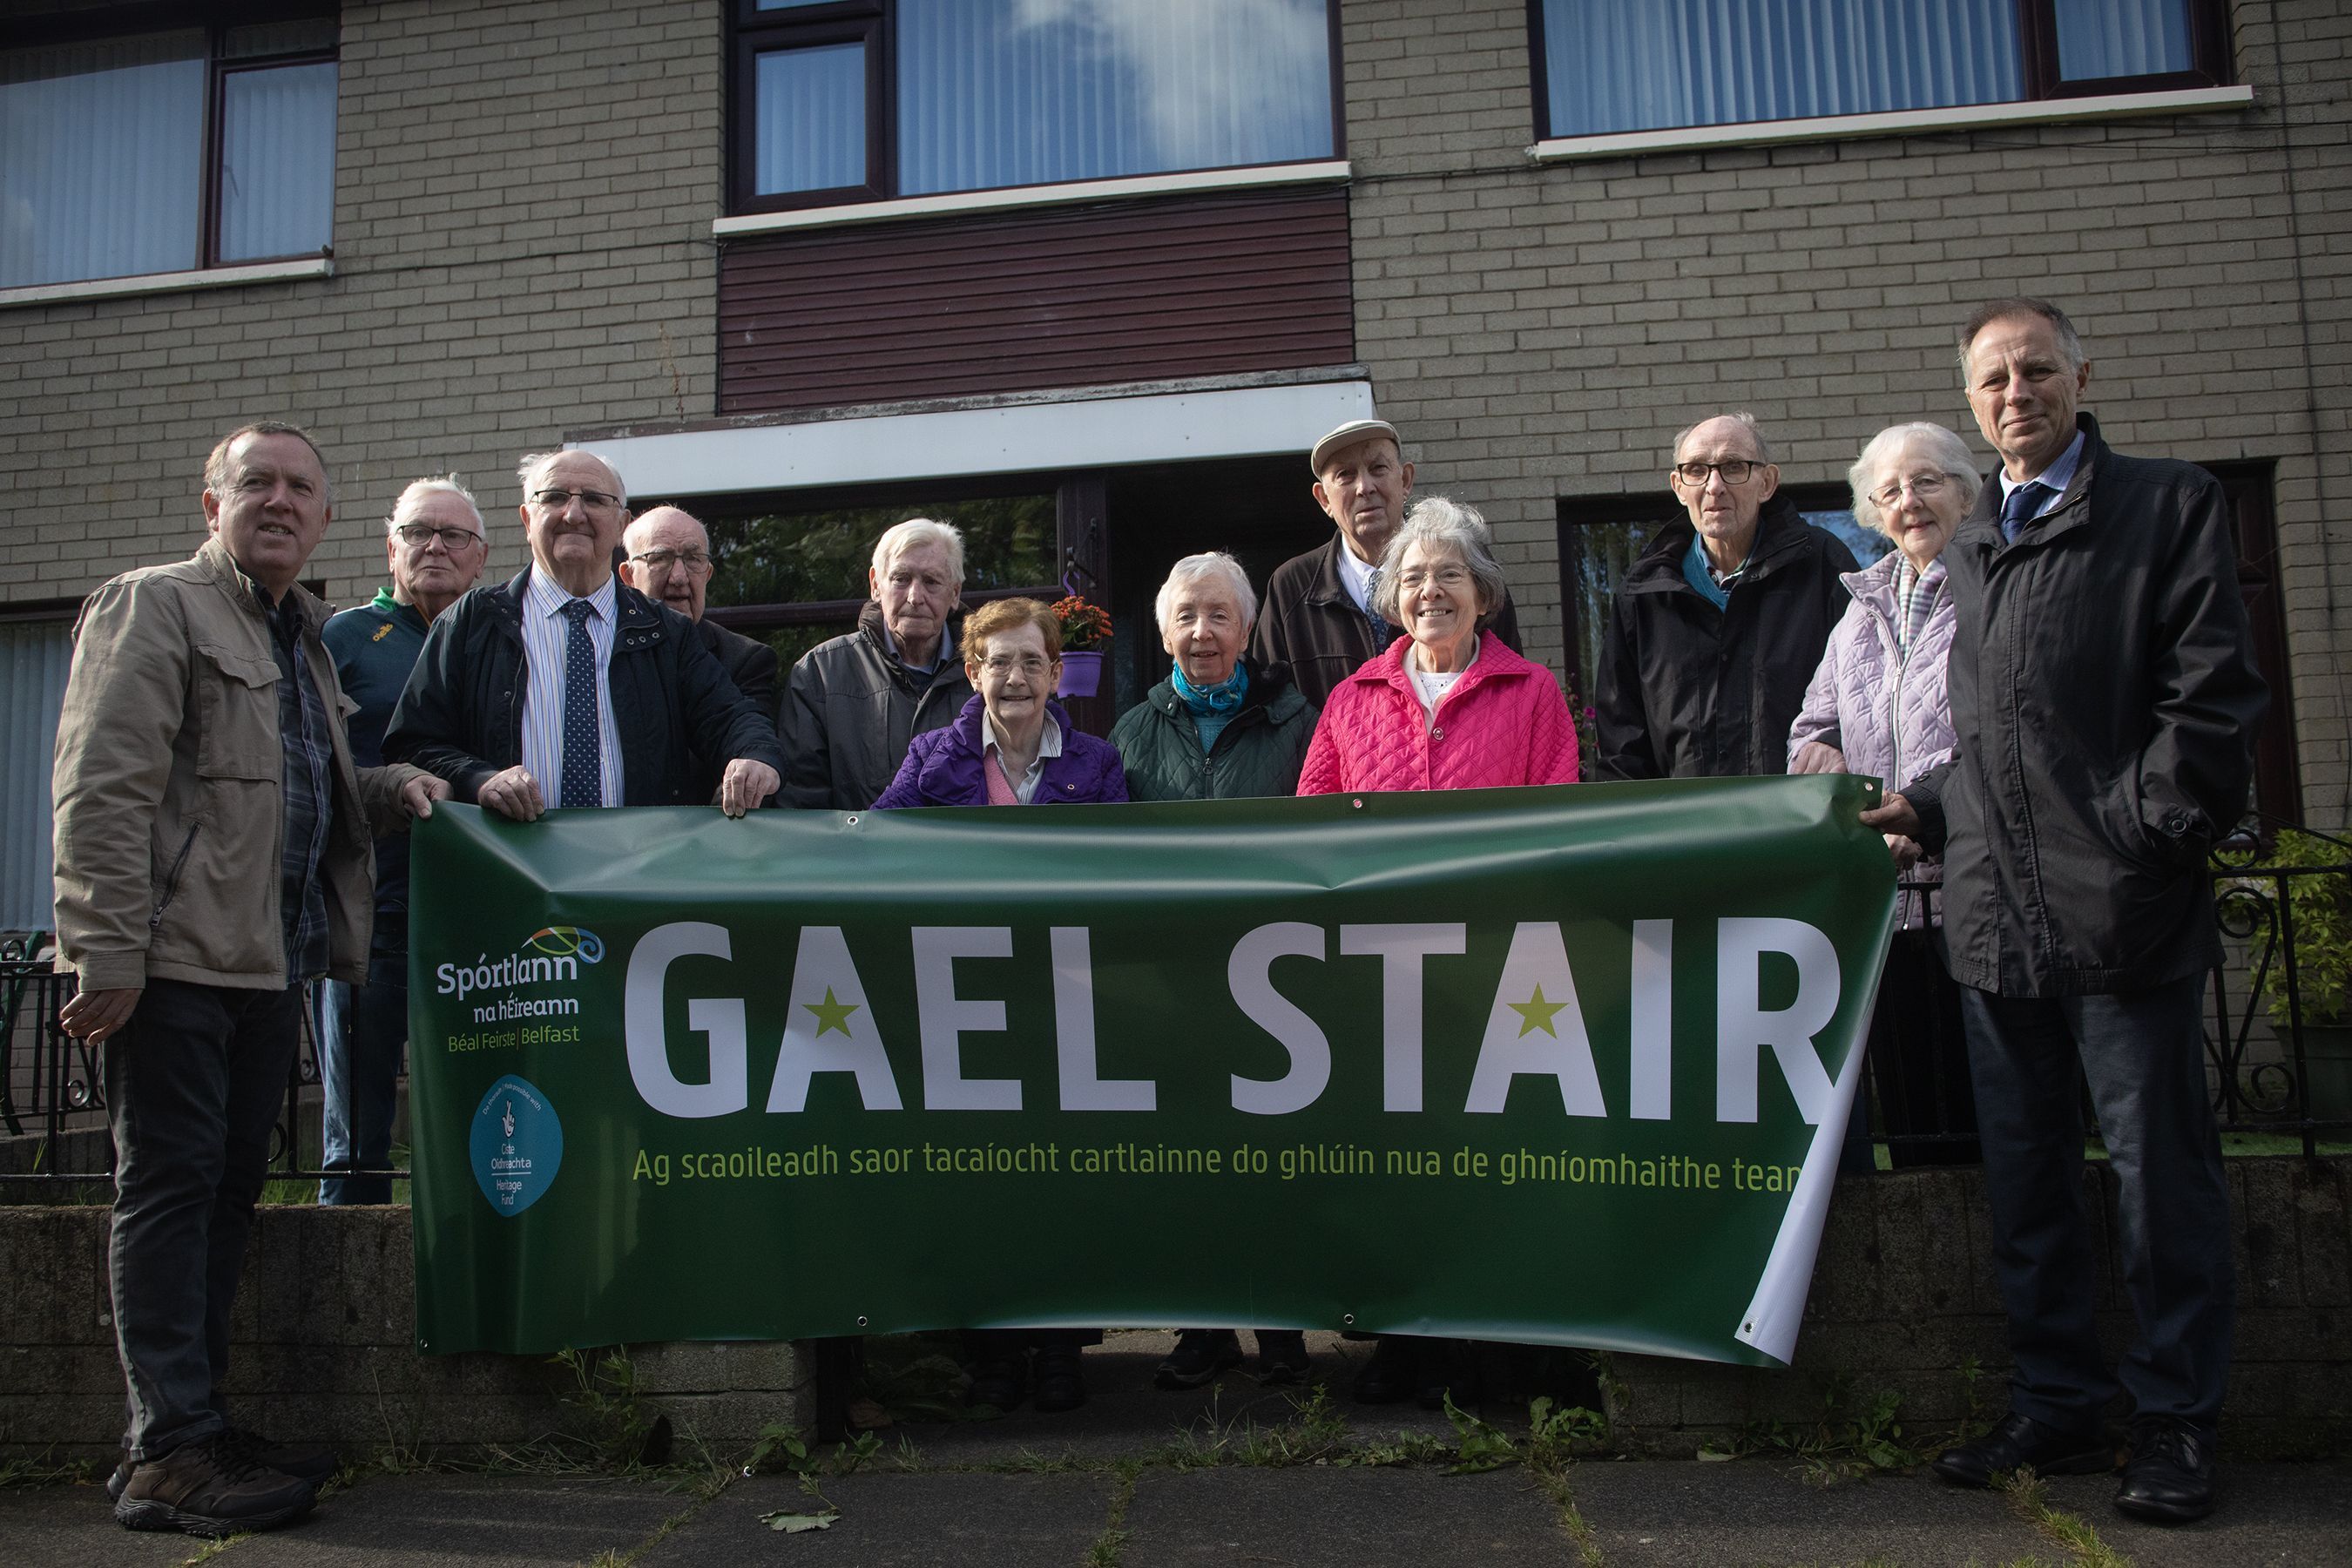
(1504, 722)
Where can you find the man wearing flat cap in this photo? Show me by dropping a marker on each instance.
(1318, 617)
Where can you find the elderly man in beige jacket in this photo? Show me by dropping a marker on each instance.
(212, 854)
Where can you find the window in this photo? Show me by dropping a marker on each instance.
(1599, 540)
(1611, 66)
(841, 100)
(166, 152)
(36, 650)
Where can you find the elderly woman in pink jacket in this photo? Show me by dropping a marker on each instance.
(1447, 706)
(1876, 705)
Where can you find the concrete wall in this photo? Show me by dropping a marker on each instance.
(324, 1350)
(1902, 1299)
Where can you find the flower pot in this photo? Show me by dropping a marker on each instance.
(1081, 674)
(2328, 1071)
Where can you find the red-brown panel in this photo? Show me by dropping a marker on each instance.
(1139, 291)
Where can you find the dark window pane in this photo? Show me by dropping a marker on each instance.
(811, 119)
(805, 558)
(2122, 37)
(788, 5)
(277, 160)
(1015, 92)
(101, 159)
(1642, 64)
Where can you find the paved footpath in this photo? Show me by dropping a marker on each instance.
(1145, 1479)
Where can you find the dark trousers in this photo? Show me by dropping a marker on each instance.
(362, 1032)
(193, 1083)
(2142, 1055)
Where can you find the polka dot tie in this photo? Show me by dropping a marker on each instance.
(584, 765)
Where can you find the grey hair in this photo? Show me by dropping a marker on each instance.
(1742, 418)
(2069, 345)
(436, 484)
(1213, 567)
(217, 468)
(1436, 522)
(899, 538)
(534, 465)
(1946, 450)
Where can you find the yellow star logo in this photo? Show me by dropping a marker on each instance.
(833, 1015)
(1535, 1013)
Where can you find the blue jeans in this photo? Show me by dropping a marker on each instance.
(2142, 1054)
(193, 1083)
(362, 1032)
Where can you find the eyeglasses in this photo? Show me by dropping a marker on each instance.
(1003, 664)
(1926, 487)
(1447, 577)
(456, 540)
(696, 561)
(1734, 470)
(556, 500)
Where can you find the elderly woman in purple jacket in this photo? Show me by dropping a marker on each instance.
(1876, 705)
(1012, 745)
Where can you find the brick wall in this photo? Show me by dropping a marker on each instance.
(522, 247)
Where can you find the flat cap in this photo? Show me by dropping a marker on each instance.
(1348, 435)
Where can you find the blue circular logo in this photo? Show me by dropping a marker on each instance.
(518, 1144)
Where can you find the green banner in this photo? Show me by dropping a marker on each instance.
(1564, 1066)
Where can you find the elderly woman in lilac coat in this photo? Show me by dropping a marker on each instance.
(1012, 745)
(1878, 705)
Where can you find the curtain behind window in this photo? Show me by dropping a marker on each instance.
(101, 158)
(34, 656)
(1642, 65)
(277, 160)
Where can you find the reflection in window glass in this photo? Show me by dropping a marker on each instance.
(101, 159)
(812, 127)
(277, 160)
(2122, 37)
(1015, 92)
(1642, 64)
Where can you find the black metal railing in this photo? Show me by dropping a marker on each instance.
(1916, 1101)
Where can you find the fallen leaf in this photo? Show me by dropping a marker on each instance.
(793, 1523)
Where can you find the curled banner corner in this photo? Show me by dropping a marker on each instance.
(1777, 1311)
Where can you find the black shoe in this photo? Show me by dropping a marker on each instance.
(1000, 1381)
(1199, 1354)
(2169, 1477)
(1392, 1375)
(1447, 1372)
(210, 1487)
(1060, 1385)
(1281, 1357)
(304, 1464)
(2020, 1442)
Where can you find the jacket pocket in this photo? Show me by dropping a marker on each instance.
(237, 713)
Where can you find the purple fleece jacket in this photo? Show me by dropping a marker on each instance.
(943, 767)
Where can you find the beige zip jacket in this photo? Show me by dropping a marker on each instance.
(168, 784)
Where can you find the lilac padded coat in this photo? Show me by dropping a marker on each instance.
(1890, 717)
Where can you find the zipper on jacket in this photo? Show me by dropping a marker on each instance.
(171, 881)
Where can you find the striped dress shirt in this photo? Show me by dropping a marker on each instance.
(545, 634)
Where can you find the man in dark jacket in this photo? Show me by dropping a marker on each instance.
(2105, 696)
(1316, 620)
(853, 703)
(565, 686)
(1720, 623)
(668, 561)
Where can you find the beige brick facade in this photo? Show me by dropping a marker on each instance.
(523, 247)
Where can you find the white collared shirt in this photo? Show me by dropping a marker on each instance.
(1355, 575)
(1049, 744)
(546, 635)
(2057, 476)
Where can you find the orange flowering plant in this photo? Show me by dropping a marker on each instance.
(1084, 625)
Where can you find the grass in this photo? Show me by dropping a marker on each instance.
(2030, 1500)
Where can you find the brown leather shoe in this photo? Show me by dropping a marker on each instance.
(210, 1487)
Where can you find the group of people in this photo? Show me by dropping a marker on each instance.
(2052, 674)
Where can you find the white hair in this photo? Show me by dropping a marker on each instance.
(1437, 522)
(1947, 451)
(534, 466)
(437, 484)
(1213, 567)
(1745, 420)
(899, 538)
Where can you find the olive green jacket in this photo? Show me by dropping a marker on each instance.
(1258, 753)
